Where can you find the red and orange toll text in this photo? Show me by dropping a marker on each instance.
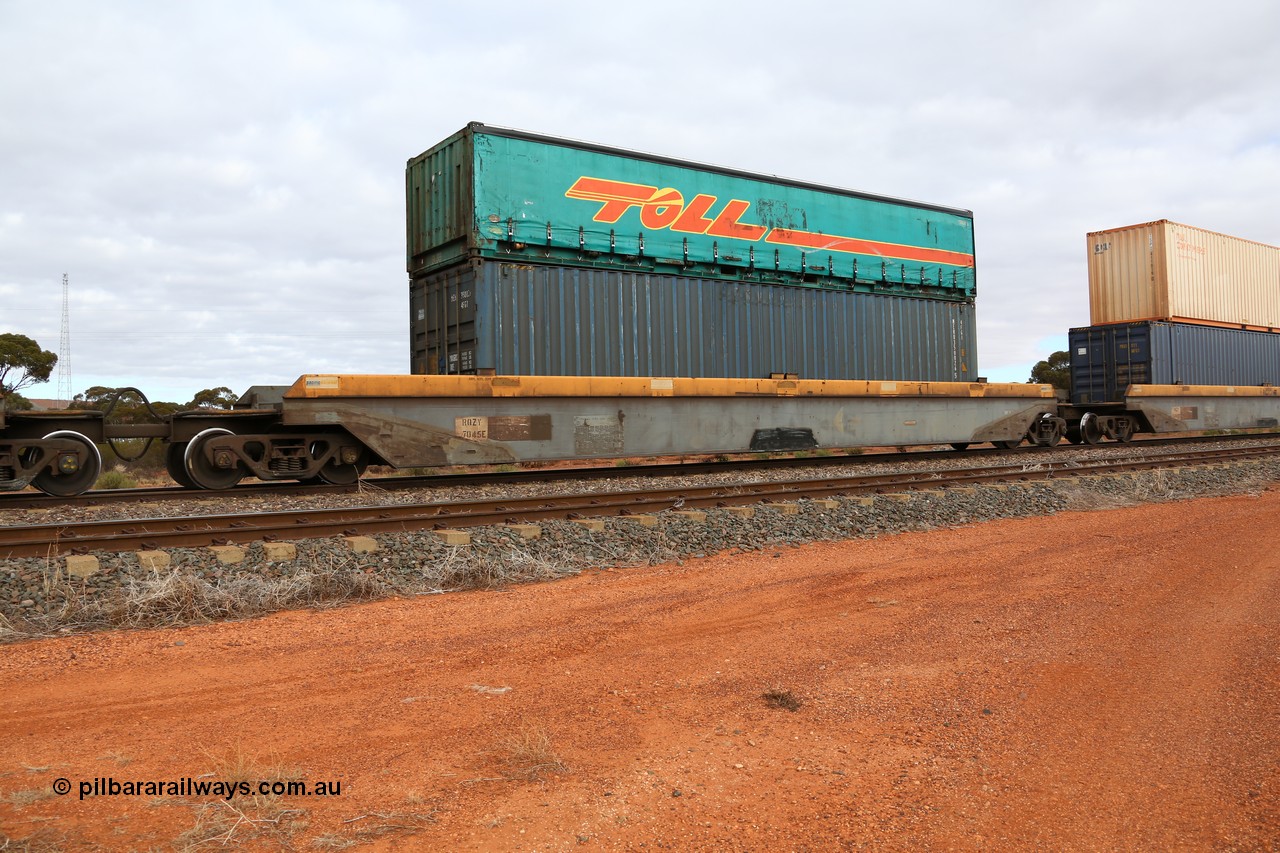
(667, 208)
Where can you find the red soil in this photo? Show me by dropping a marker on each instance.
(1090, 681)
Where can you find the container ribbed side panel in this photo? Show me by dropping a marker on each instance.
(439, 193)
(1167, 271)
(545, 320)
(1107, 359)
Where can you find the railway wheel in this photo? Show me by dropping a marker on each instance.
(176, 465)
(1048, 431)
(1090, 429)
(202, 472)
(1125, 433)
(1073, 435)
(69, 477)
(1006, 445)
(336, 474)
(959, 445)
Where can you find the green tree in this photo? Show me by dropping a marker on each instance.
(128, 410)
(97, 397)
(1054, 370)
(17, 403)
(221, 397)
(139, 457)
(23, 363)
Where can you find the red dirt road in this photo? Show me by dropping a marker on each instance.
(1090, 681)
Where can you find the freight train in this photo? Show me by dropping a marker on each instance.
(570, 301)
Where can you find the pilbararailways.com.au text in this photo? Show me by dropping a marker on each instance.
(188, 787)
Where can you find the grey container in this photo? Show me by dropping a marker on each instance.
(1107, 359)
(516, 319)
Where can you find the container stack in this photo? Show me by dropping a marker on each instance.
(1176, 305)
(532, 255)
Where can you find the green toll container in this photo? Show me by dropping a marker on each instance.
(495, 194)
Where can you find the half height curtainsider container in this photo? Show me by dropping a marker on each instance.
(1166, 271)
(495, 194)
(526, 319)
(1105, 360)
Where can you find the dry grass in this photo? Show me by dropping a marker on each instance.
(528, 755)
(236, 766)
(45, 840)
(1163, 485)
(259, 821)
(781, 699)
(55, 584)
(1084, 499)
(223, 823)
(368, 827)
(256, 817)
(119, 758)
(181, 598)
(55, 579)
(26, 798)
(465, 569)
(1154, 486)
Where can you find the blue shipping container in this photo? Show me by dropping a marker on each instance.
(1105, 360)
(523, 319)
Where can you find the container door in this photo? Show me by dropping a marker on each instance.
(444, 340)
(1131, 356)
(1090, 364)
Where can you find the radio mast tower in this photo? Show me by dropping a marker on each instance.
(64, 345)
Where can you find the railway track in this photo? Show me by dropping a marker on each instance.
(35, 500)
(400, 482)
(204, 530)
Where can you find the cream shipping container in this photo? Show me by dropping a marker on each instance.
(1167, 271)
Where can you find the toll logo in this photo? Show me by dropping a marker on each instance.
(667, 208)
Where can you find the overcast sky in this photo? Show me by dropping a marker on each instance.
(224, 181)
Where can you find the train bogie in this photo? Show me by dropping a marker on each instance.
(63, 462)
(217, 452)
(1091, 427)
(54, 451)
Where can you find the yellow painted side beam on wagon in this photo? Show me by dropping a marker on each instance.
(316, 386)
(1203, 391)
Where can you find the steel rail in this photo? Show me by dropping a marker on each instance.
(195, 531)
